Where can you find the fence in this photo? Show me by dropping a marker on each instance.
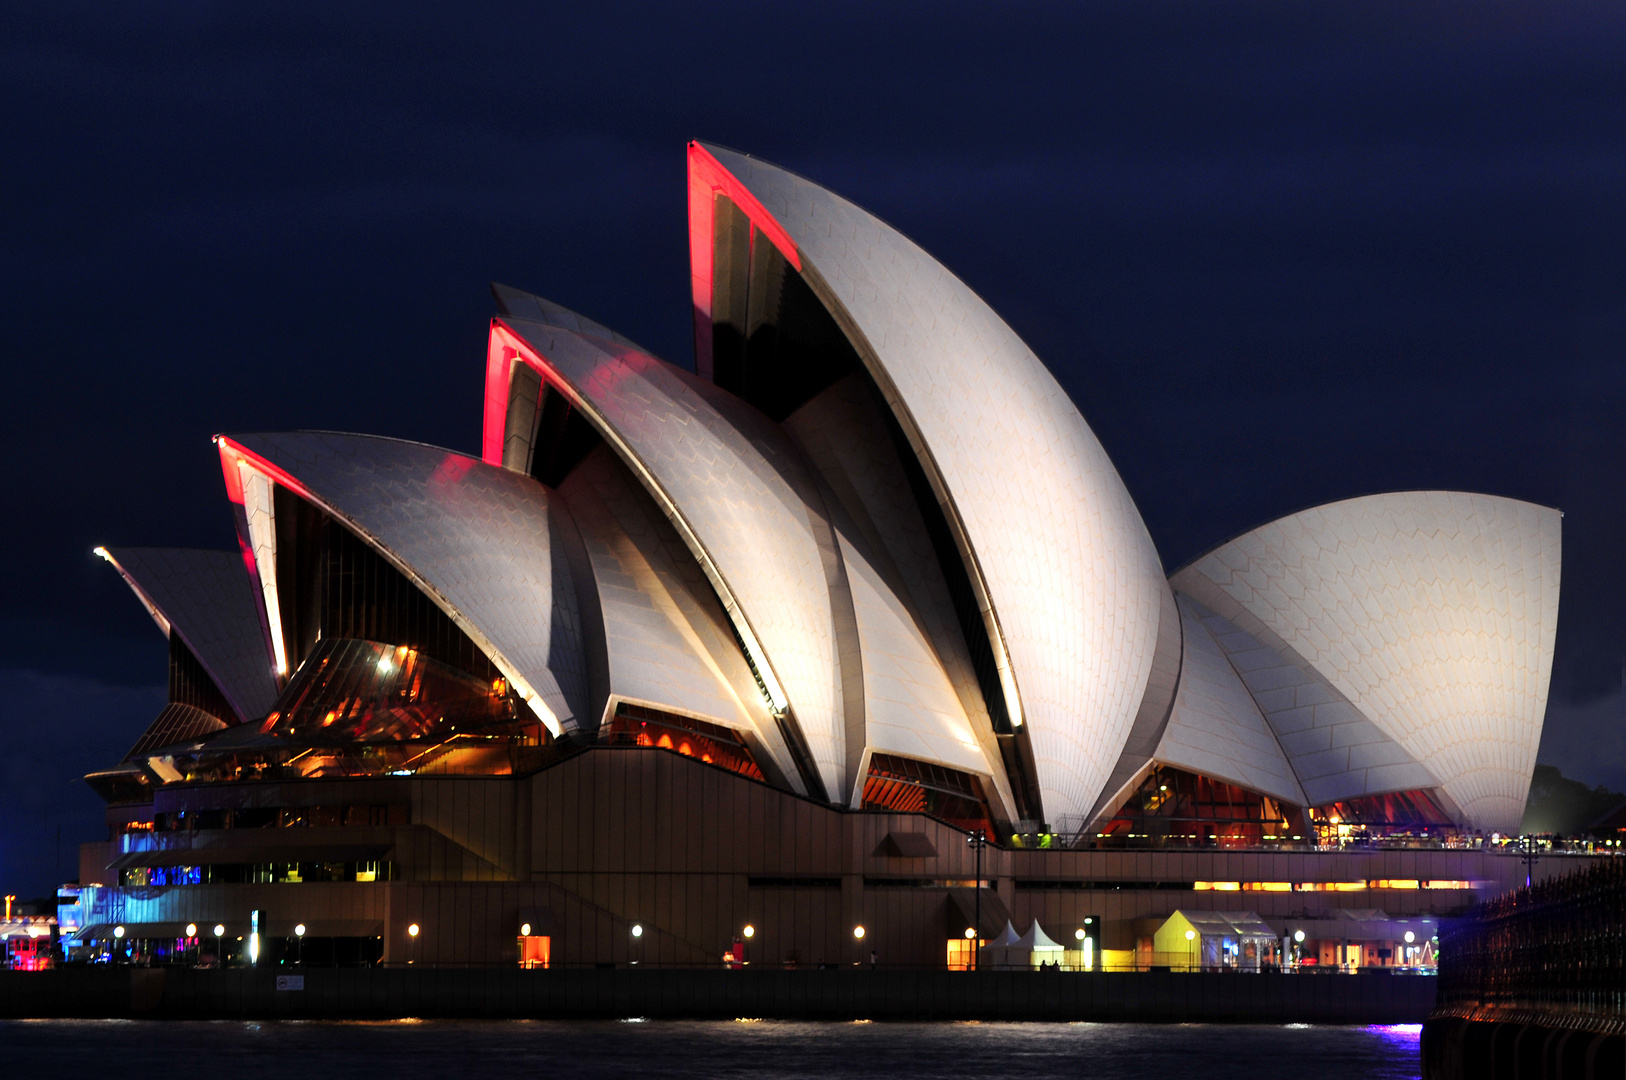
(1557, 948)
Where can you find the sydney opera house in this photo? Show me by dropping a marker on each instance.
(737, 659)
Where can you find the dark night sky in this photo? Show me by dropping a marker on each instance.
(1279, 255)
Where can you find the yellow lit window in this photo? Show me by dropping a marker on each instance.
(960, 955)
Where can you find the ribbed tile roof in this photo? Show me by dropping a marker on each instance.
(1053, 538)
(477, 539)
(208, 599)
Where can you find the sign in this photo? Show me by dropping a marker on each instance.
(290, 982)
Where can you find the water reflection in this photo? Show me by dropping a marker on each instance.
(409, 1050)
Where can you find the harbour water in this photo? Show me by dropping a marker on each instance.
(410, 1050)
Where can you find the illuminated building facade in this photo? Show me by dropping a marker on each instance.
(759, 644)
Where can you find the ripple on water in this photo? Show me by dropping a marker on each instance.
(702, 1050)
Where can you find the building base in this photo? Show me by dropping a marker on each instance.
(858, 993)
(1460, 1049)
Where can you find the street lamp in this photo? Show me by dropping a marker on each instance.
(978, 840)
(299, 944)
(220, 950)
(858, 932)
(118, 936)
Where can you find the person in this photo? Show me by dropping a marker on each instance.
(872, 959)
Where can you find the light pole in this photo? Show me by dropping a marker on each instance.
(412, 943)
(118, 941)
(1529, 856)
(299, 945)
(978, 840)
(747, 934)
(637, 940)
(220, 951)
(191, 935)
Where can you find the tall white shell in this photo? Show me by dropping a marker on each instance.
(735, 488)
(1432, 613)
(1070, 581)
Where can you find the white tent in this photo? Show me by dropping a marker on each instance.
(1037, 940)
(1027, 951)
(1039, 947)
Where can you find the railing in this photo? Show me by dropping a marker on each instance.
(1558, 947)
(657, 965)
(1544, 846)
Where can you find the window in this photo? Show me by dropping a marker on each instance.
(1400, 813)
(1175, 808)
(960, 954)
(289, 873)
(535, 951)
(639, 725)
(903, 784)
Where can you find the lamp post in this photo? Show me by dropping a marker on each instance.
(412, 943)
(637, 940)
(118, 941)
(747, 933)
(299, 945)
(191, 935)
(978, 840)
(220, 950)
(1528, 843)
